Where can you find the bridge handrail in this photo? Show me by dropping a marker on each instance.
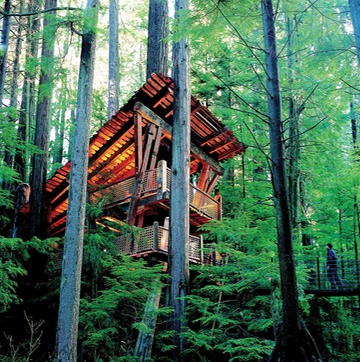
(316, 273)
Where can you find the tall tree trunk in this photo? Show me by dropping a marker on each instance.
(355, 16)
(114, 86)
(354, 132)
(157, 47)
(294, 142)
(9, 156)
(38, 215)
(67, 328)
(58, 150)
(293, 342)
(4, 47)
(26, 115)
(180, 181)
(145, 339)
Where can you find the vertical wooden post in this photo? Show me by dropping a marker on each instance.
(156, 148)
(201, 249)
(218, 198)
(203, 182)
(138, 141)
(156, 236)
(131, 216)
(161, 179)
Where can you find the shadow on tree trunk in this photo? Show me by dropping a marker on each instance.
(300, 345)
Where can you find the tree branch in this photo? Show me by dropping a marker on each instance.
(302, 106)
(351, 86)
(263, 115)
(40, 11)
(245, 43)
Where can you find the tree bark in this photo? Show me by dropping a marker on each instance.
(38, 215)
(4, 47)
(9, 157)
(26, 114)
(67, 328)
(355, 16)
(157, 47)
(58, 149)
(145, 339)
(180, 181)
(288, 348)
(294, 143)
(114, 86)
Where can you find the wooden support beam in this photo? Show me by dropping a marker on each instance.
(138, 141)
(156, 148)
(222, 146)
(212, 184)
(204, 177)
(131, 216)
(167, 129)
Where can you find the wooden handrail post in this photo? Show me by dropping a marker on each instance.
(201, 249)
(218, 198)
(161, 179)
(156, 236)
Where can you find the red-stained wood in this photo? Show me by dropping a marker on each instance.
(119, 146)
(204, 177)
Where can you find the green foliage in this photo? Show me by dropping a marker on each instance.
(340, 329)
(106, 320)
(247, 349)
(99, 111)
(13, 254)
(226, 319)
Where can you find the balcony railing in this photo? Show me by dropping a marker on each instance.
(157, 182)
(155, 239)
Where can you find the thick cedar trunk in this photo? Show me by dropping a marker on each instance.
(180, 180)
(38, 215)
(293, 343)
(157, 47)
(114, 86)
(355, 16)
(67, 328)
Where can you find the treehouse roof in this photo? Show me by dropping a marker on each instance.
(111, 152)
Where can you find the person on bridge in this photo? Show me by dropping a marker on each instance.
(332, 268)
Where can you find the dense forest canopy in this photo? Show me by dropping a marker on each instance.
(233, 307)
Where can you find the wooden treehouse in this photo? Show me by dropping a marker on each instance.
(129, 171)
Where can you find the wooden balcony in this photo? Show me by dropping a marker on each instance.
(150, 241)
(154, 239)
(156, 184)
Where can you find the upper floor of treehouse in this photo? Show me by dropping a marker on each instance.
(129, 168)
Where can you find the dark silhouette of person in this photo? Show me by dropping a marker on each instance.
(332, 268)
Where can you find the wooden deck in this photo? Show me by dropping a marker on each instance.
(157, 183)
(154, 239)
